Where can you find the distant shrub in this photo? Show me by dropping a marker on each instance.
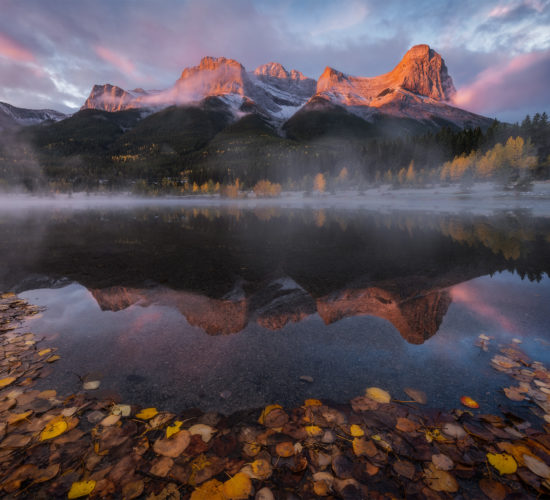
(229, 191)
(267, 189)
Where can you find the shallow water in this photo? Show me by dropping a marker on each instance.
(226, 308)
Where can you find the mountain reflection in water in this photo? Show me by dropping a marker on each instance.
(223, 269)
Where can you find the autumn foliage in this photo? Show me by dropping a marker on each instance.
(267, 189)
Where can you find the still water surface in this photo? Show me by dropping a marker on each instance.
(225, 309)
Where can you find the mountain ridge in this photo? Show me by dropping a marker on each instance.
(419, 87)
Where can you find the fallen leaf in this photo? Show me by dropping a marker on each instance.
(469, 402)
(174, 446)
(110, 420)
(16, 441)
(238, 487)
(4, 382)
(133, 489)
(173, 429)
(284, 449)
(404, 468)
(17, 417)
(262, 469)
(161, 466)
(378, 395)
(204, 431)
(43, 352)
(91, 385)
(266, 412)
(54, 428)
(211, 490)
(356, 431)
(493, 489)
(440, 480)
(536, 466)
(81, 489)
(47, 394)
(406, 425)
(513, 393)
(502, 462)
(416, 395)
(454, 430)
(362, 446)
(122, 410)
(52, 359)
(442, 462)
(147, 413)
(313, 430)
(313, 402)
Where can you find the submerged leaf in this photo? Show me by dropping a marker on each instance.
(173, 429)
(378, 395)
(211, 490)
(54, 428)
(266, 412)
(502, 462)
(416, 395)
(4, 382)
(81, 489)
(147, 413)
(537, 466)
(356, 431)
(238, 487)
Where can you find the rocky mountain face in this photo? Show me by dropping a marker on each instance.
(283, 301)
(12, 117)
(419, 88)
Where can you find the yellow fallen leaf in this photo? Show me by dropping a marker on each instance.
(313, 430)
(147, 413)
(173, 429)
(261, 468)
(43, 352)
(356, 431)
(469, 402)
(266, 411)
(211, 490)
(81, 489)
(378, 395)
(4, 382)
(17, 417)
(313, 402)
(435, 434)
(54, 428)
(51, 359)
(502, 462)
(239, 487)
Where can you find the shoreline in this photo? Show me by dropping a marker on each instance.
(54, 446)
(482, 198)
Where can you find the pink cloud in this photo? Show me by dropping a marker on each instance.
(11, 49)
(469, 296)
(120, 62)
(518, 83)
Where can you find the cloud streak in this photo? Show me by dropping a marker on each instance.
(518, 84)
(15, 51)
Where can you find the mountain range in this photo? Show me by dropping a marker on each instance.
(419, 88)
(219, 122)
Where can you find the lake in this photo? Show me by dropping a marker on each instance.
(230, 307)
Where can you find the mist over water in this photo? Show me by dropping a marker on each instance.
(173, 304)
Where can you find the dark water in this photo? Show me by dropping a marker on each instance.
(173, 307)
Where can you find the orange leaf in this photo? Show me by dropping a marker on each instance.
(469, 402)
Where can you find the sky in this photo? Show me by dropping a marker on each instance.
(53, 51)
